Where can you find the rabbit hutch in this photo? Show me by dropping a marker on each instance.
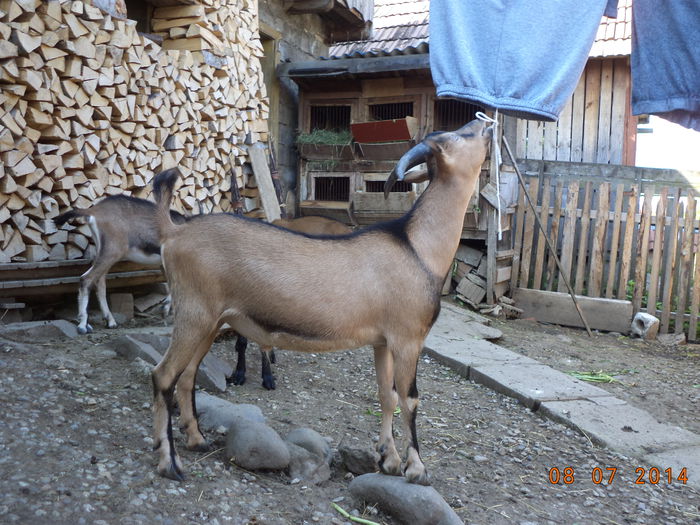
(357, 117)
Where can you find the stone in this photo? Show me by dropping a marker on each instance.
(406, 502)
(131, 348)
(645, 325)
(312, 441)
(307, 466)
(255, 446)
(148, 301)
(359, 460)
(38, 330)
(215, 412)
(672, 339)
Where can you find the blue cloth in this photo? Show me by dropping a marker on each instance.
(666, 60)
(523, 57)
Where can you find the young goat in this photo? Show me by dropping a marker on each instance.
(378, 286)
(123, 229)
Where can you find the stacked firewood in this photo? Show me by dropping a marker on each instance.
(90, 107)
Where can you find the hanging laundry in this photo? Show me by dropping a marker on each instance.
(523, 57)
(666, 60)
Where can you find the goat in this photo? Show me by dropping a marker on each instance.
(123, 229)
(378, 286)
(311, 225)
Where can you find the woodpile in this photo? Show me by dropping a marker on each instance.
(469, 276)
(90, 107)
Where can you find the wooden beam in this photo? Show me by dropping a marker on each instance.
(352, 66)
(268, 195)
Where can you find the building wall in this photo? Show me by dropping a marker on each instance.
(300, 38)
(92, 108)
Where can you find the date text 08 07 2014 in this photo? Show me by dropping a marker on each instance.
(607, 475)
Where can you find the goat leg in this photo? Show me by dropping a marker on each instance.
(101, 290)
(390, 461)
(268, 380)
(238, 376)
(405, 381)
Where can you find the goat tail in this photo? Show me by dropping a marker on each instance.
(163, 187)
(68, 216)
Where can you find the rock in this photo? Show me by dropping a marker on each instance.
(672, 339)
(307, 466)
(149, 301)
(408, 503)
(214, 412)
(131, 348)
(255, 446)
(312, 441)
(122, 307)
(34, 331)
(359, 460)
(645, 326)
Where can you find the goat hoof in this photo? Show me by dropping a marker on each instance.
(172, 472)
(237, 378)
(87, 329)
(269, 383)
(389, 467)
(273, 358)
(419, 477)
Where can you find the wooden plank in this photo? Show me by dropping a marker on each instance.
(640, 272)
(568, 234)
(670, 263)
(582, 253)
(686, 262)
(528, 235)
(521, 141)
(564, 132)
(695, 296)
(591, 112)
(660, 220)
(615, 242)
(550, 141)
(541, 253)
(554, 235)
(598, 247)
(605, 112)
(518, 233)
(268, 195)
(491, 247)
(621, 78)
(554, 307)
(626, 260)
(577, 115)
(534, 139)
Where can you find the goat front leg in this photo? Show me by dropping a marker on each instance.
(102, 299)
(390, 461)
(405, 381)
(268, 380)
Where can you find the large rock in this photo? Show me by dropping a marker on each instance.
(129, 347)
(312, 441)
(38, 330)
(645, 325)
(256, 446)
(215, 412)
(359, 460)
(310, 456)
(408, 503)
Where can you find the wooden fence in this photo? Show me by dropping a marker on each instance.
(620, 232)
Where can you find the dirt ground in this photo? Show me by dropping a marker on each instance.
(75, 443)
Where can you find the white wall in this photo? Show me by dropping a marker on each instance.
(668, 145)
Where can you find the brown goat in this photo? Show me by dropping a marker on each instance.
(378, 286)
(314, 225)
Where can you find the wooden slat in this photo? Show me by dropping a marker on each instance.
(550, 141)
(554, 235)
(568, 234)
(591, 112)
(640, 273)
(598, 247)
(518, 241)
(540, 253)
(528, 235)
(606, 87)
(615, 241)
(564, 132)
(621, 77)
(670, 261)
(534, 139)
(695, 296)
(626, 260)
(581, 254)
(577, 112)
(658, 249)
(686, 262)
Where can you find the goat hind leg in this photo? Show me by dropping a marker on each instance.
(268, 380)
(102, 299)
(390, 461)
(238, 376)
(405, 381)
(83, 300)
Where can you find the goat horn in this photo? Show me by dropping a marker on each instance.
(416, 155)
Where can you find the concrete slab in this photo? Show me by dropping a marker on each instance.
(687, 458)
(533, 384)
(620, 427)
